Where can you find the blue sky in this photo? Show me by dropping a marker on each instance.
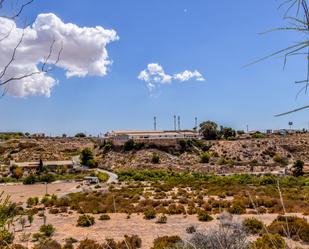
(217, 38)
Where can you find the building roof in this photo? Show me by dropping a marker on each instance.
(45, 163)
(65, 162)
(151, 132)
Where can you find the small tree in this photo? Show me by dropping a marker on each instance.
(18, 172)
(80, 135)
(128, 145)
(209, 130)
(227, 132)
(41, 166)
(298, 168)
(86, 156)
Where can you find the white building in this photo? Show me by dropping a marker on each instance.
(122, 136)
(49, 164)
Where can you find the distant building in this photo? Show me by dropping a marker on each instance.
(38, 135)
(32, 166)
(122, 136)
(269, 132)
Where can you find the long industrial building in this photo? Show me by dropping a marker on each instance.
(122, 136)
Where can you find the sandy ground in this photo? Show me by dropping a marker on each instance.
(20, 193)
(119, 225)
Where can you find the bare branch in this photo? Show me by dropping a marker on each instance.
(2, 74)
(19, 10)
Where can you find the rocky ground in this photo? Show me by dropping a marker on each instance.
(119, 225)
(22, 150)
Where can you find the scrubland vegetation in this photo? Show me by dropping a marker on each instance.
(159, 194)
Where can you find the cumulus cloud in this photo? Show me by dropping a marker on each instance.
(154, 76)
(188, 75)
(84, 52)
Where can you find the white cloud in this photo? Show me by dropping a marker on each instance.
(84, 52)
(154, 76)
(188, 75)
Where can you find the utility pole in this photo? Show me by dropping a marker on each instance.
(195, 123)
(155, 123)
(175, 127)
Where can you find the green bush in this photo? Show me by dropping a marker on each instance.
(298, 168)
(204, 158)
(269, 241)
(6, 238)
(298, 228)
(132, 242)
(85, 220)
(164, 242)
(92, 163)
(104, 217)
(155, 158)
(252, 225)
(128, 145)
(162, 219)
(29, 180)
(47, 230)
(237, 209)
(47, 244)
(32, 201)
(279, 159)
(89, 244)
(46, 178)
(103, 177)
(257, 135)
(80, 135)
(149, 214)
(204, 216)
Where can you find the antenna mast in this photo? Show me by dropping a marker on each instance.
(155, 123)
(175, 127)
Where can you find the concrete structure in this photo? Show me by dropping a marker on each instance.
(92, 179)
(32, 166)
(123, 136)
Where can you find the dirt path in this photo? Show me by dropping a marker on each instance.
(20, 192)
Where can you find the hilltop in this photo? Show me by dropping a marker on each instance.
(222, 156)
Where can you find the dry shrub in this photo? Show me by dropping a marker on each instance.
(164, 242)
(253, 225)
(291, 227)
(269, 241)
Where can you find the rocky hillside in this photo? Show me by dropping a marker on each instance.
(22, 150)
(224, 156)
